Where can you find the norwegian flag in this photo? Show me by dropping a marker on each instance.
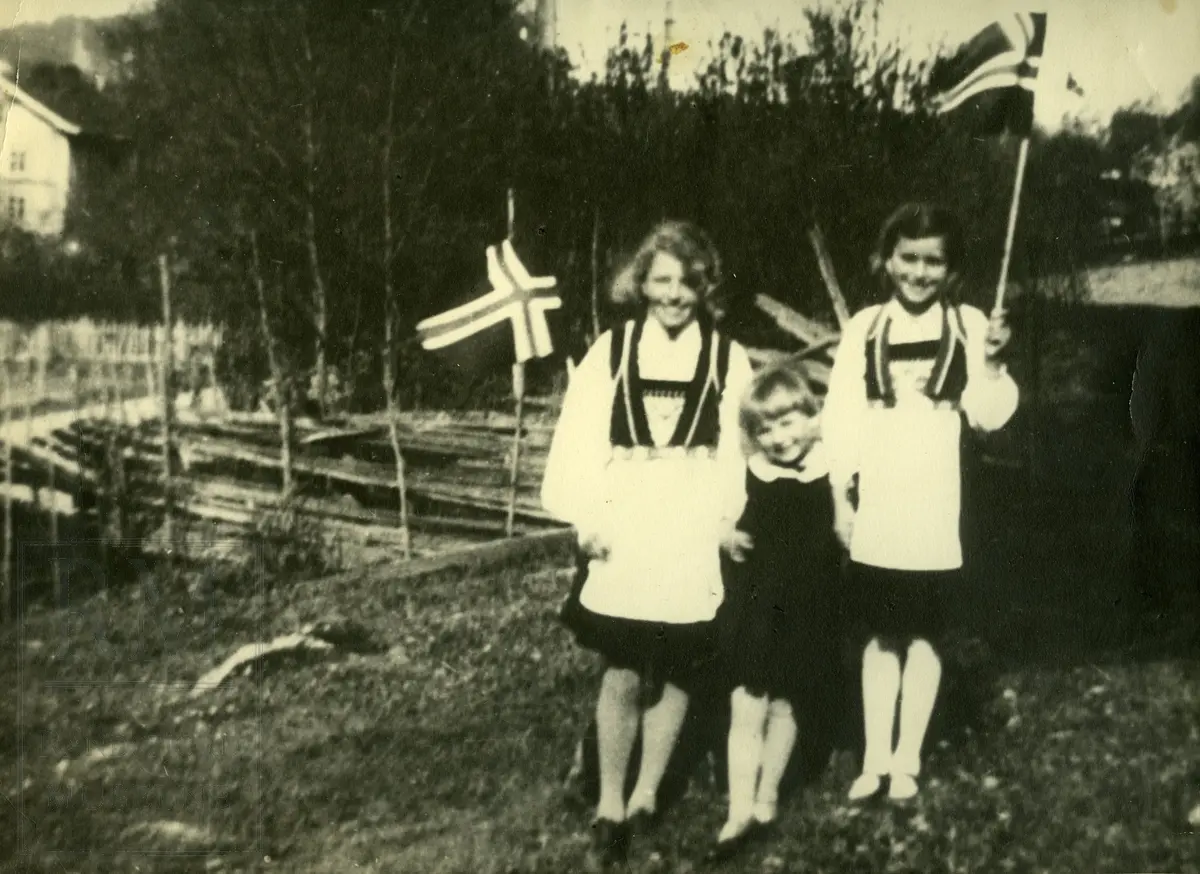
(516, 296)
(995, 74)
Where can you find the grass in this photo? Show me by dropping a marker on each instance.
(1067, 736)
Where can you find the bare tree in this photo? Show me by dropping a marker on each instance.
(279, 374)
(309, 76)
(389, 302)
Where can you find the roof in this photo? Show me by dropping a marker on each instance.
(16, 94)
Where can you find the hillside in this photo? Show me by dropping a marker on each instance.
(434, 734)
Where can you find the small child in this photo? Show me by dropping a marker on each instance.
(780, 637)
(908, 376)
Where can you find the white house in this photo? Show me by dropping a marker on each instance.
(36, 162)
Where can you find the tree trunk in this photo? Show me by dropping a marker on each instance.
(6, 420)
(389, 320)
(282, 393)
(167, 379)
(320, 302)
(828, 275)
(350, 370)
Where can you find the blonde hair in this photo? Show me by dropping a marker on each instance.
(695, 251)
(777, 389)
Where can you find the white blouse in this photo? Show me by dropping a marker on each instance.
(661, 517)
(907, 457)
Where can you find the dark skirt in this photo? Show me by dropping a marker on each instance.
(682, 654)
(782, 644)
(898, 606)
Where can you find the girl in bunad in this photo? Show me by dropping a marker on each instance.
(907, 374)
(782, 644)
(646, 464)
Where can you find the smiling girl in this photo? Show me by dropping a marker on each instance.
(907, 375)
(646, 463)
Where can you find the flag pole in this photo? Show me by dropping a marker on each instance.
(1002, 285)
(518, 383)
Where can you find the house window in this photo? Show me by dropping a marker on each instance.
(16, 208)
(17, 162)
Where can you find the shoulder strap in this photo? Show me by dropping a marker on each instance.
(616, 348)
(878, 377)
(949, 375)
(959, 323)
(724, 344)
(877, 322)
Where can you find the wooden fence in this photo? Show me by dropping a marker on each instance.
(57, 374)
(81, 418)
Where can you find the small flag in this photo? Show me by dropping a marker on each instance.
(995, 73)
(517, 297)
(1073, 86)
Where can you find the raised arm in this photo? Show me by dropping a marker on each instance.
(991, 396)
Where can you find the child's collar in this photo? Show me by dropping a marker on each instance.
(810, 468)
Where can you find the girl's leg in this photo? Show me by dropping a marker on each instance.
(880, 689)
(616, 730)
(777, 750)
(749, 713)
(922, 675)
(660, 729)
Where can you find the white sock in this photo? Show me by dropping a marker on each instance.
(616, 730)
(765, 811)
(777, 751)
(922, 675)
(864, 786)
(745, 752)
(660, 729)
(733, 828)
(880, 689)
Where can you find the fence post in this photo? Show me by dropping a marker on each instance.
(43, 365)
(6, 425)
(118, 459)
(147, 350)
(77, 400)
(168, 409)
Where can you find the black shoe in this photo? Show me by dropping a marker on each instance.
(610, 842)
(729, 848)
(764, 832)
(642, 822)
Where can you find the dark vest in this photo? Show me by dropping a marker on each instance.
(948, 357)
(699, 424)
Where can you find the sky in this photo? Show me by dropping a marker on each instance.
(18, 11)
(1120, 51)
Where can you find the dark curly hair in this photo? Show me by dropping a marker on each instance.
(913, 221)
